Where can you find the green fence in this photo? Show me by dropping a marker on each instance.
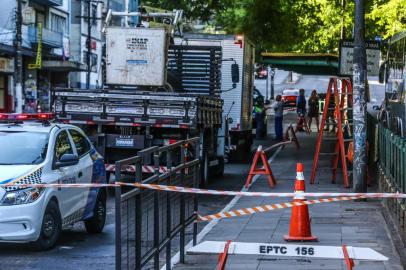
(388, 151)
(392, 157)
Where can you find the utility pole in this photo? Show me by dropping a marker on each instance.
(359, 113)
(89, 19)
(342, 19)
(18, 73)
(89, 44)
(267, 83)
(272, 83)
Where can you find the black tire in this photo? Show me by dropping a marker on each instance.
(96, 223)
(51, 227)
(220, 168)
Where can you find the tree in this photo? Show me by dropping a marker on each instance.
(387, 18)
(293, 25)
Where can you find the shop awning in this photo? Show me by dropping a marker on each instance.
(62, 66)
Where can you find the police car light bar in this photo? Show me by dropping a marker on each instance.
(25, 116)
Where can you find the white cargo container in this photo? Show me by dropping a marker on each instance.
(136, 56)
(238, 102)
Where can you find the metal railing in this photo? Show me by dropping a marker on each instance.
(51, 3)
(148, 220)
(392, 157)
(389, 150)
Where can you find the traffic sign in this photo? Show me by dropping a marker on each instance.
(287, 250)
(346, 64)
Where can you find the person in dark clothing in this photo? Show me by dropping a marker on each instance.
(278, 107)
(313, 109)
(301, 108)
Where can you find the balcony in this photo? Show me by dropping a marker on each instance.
(50, 39)
(50, 3)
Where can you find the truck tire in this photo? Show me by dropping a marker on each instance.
(50, 229)
(204, 170)
(220, 167)
(96, 223)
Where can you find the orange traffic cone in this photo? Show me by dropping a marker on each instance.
(300, 221)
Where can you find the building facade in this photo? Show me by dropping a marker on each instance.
(79, 42)
(54, 40)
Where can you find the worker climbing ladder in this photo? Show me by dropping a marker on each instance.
(339, 90)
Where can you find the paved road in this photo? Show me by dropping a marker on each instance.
(79, 250)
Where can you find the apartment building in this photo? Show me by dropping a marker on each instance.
(55, 38)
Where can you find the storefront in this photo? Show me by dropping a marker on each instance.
(6, 82)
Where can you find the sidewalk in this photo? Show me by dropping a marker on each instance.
(359, 224)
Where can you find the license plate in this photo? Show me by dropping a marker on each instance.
(124, 142)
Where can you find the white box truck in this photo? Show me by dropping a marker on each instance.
(238, 101)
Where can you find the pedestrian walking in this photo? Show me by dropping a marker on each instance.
(278, 108)
(301, 109)
(313, 109)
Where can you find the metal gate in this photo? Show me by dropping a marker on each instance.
(148, 220)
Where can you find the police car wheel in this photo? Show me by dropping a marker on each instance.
(50, 229)
(96, 223)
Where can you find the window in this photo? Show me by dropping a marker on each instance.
(94, 15)
(81, 143)
(20, 147)
(93, 60)
(58, 23)
(62, 145)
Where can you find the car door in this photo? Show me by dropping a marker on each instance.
(85, 166)
(68, 197)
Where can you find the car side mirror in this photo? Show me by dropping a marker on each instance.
(67, 160)
(235, 73)
(376, 107)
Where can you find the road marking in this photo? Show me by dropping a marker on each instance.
(175, 259)
(287, 250)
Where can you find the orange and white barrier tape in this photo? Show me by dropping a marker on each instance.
(261, 194)
(132, 168)
(213, 192)
(271, 207)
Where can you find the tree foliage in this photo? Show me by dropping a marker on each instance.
(294, 25)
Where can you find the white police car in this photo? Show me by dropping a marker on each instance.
(34, 152)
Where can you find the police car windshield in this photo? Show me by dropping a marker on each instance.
(22, 148)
